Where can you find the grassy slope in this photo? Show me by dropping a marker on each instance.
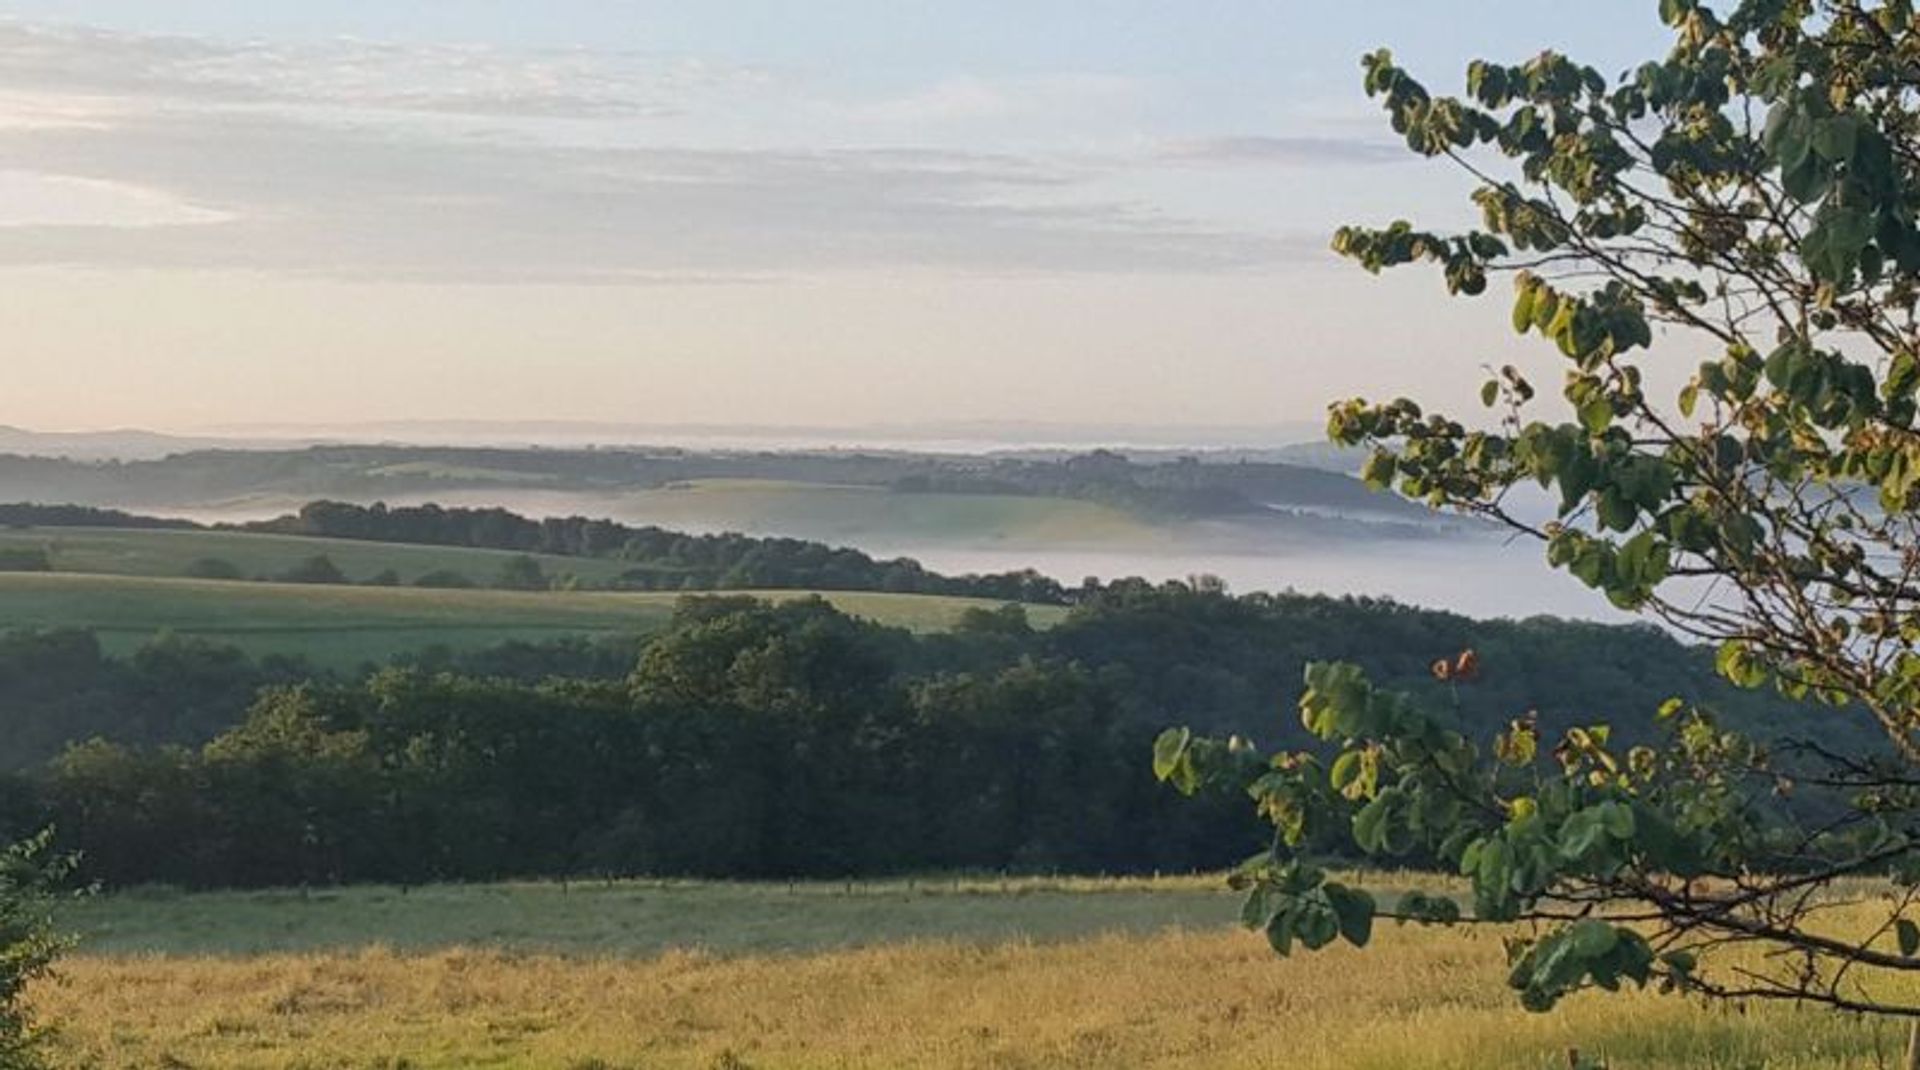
(1035, 976)
(854, 514)
(168, 553)
(343, 626)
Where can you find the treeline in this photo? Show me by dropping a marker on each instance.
(1185, 487)
(662, 559)
(35, 515)
(750, 739)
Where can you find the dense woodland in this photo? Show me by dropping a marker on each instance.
(749, 739)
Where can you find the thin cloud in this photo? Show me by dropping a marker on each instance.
(313, 198)
(1285, 151)
(430, 79)
(344, 160)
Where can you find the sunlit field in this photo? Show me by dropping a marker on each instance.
(343, 626)
(932, 973)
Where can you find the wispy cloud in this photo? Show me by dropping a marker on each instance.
(433, 79)
(976, 98)
(358, 159)
(1287, 151)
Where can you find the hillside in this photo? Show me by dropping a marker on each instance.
(638, 484)
(341, 626)
(161, 553)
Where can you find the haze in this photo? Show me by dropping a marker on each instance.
(215, 214)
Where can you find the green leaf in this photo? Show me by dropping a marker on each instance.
(1370, 824)
(1597, 415)
(1523, 308)
(1835, 138)
(1909, 936)
(1489, 392)
(1280, 933)
(1591, 938)
(1739, 666)
(1379, 470)
(1354, 909)
(1263, 902)
(1170, 764)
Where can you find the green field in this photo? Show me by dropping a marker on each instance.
(970, 975)
(140, 552)
(341, 627)
(850, 514)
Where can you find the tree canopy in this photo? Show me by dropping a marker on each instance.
(1746, 203)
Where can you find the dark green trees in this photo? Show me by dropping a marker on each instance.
(521, 573)
(316, 569)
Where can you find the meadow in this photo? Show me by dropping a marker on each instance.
(837, 513)
(342, 626)
(165, 553)
(902, 974)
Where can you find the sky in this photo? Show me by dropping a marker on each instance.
(875, 213)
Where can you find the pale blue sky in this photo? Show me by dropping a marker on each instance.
(824, 213)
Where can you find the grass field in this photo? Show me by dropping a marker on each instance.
(130, 552)
(341, 627)
(858, 515)
(684, 976)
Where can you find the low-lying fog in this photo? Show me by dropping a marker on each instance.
(1480, 575)
(1477, 577)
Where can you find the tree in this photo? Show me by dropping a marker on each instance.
(316, 569)
(1751, 199)
(29, 942)
(214, 568)
(520, 573)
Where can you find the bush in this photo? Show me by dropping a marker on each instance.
(25, 560)
(520, 573)
(214, 568)
(29, 942)
(443, 577)
(316, 569)
(386, 577)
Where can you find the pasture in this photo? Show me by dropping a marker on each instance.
(161, 553)
(925, 974)
(341, 626)
(838, 513)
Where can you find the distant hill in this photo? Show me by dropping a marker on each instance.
(128, 444)
(224, 481)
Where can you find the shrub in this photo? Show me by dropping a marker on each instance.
(316, 569)
(29, 942)
(520, 573)
(214, 568)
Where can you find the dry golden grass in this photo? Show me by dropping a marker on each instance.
(1194, 997)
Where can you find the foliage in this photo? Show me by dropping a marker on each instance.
(744, 738)
(658, 559)
(1752, 198)
(445, 579)
(29, 942)
(316, 569)
(521, 573)
(214, 568)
